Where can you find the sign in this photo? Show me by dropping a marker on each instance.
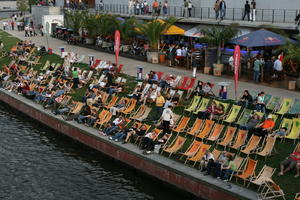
(236, 65)
(117, 45)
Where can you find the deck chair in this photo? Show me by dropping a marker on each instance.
(193, 105)
(199, 155)
(267, 148)
(216, 153)
(285, 106)
(239, 140)
(248, 171)
(265, 174)
(96, 63)
(140, 111)
(130, 107)
(287, 123)
(175, 146)
(238, 161)
(145, 115)
(251, 146)
(244, 117)
(118, 80)
(208, 124)
(297, 196)
(297, 148)
(270, 191)
(190, 85)
(177, 81)
(195, 128)
(112, 102)
(139, 137)
(227, 138)
(46, 65)
(267, 98)
(146, 88)
(102, 115)
(159, 75)
(295, 109)
(183, 83)
(157, 132)
(202, 105)
(233, 114)
(181, 125)
(215, 134)
(274, 103)
(192, 149)
(89, 76)
(295, 130)
(76, 109)
(172, 93)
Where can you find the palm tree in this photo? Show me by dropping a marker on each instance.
(292, 58)
(127, 29)
(91, 24)
(154, 29)
(75, 19)
(217, 36)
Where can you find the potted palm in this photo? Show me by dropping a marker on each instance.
(216, 37)
(91, 24)
(153, 31)
(127, 31)
(74, 20)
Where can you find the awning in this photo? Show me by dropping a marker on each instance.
(172, 30)
(194, 32)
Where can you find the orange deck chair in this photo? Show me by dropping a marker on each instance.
(208, 124)
(227, 138)
(239, 140)
(267, 148)
(199, 155)
(248, 172)
(175, 145)
(112, 102)
(195, 128)
(192, 150)
(131, 106)
(181, 125)
(251, 146)
(216, 132)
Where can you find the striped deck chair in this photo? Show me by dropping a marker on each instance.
(199, 155)
(274, 103)
(194, 104)
(207, 127)
(191, 150)
(251, 146)
(215, 134)
(248, 171)
(175, 146)
(295, 109)
(233, 114)
(202, 105)
(285, 106)
(140, 111)
(295, 130)
(195, 128)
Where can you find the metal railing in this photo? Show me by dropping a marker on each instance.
(234, 14)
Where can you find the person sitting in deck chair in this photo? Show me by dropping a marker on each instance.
(290, 163)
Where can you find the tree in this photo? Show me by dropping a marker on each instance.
(22, 5)
(91, 24)
(154, 29)
(291, 57)
(74, 20)
(218, 36)
(127, 29)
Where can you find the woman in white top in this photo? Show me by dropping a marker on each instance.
(260, 104)
(166, 117)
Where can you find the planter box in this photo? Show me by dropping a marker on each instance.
(292, 85)
(207, 70)
(217, 72)
(151, 55)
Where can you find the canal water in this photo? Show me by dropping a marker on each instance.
(37, 163)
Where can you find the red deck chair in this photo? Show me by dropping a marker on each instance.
(183, 83)
(120, 68)
(96, 63)
(192, 83)
(159, 75)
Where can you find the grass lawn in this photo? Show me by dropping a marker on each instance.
(289, 184)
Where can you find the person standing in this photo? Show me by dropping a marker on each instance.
(257, 68)
(155, 7)
(75, 78)
(247, 11)
(165, 8)
(159, 102)
(159, 9)
(185, 8)
(131, 7)
(190, 7)
(166, 117)
(253, 11)
(278, 69)
(223, 9)
(217, 9)
(297, 20)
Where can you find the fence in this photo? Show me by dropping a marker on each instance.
(234, 14)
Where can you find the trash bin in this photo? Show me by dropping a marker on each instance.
(50, 51)
(139, 73)
(162, 57)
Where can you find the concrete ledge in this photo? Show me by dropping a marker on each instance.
(167, 170)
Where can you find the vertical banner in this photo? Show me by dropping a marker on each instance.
(117, 45)
(236, 64)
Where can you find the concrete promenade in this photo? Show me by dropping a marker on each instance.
(170, 171)
(130, 66)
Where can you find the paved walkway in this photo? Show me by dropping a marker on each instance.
(130, 66)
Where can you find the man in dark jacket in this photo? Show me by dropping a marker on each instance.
(247, 11)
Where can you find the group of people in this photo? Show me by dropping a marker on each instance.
(250, 11)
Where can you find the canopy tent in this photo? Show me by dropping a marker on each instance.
(172, 30)
(194, 32)
(260, 38)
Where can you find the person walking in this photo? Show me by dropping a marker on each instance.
(217, 9)
(190, 7)
(185, 8)
(297, 20)
(247, 11)
(222, 9)
(131, 7)
(155, 6)
(253, 11)
(165, 8)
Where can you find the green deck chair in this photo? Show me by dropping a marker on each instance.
(267, 99)
(274, 117)
(285, 106)
(202, 105)
(295, 130)
(287, 123)
(244, 117)
(233, 114)
(295, 109)
(274, 102)
(194, 104)
(254, 94)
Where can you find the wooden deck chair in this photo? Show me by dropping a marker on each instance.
(199, 155)
(105, 119)
(248, 171)
(181, 125)
(130, 108)
(157, 132)
(175, 146)
(244, 117)
(112, 102)
(159, 75)
(270, 191)
(145, 115)
(192, 149)
(297, 148)
(274, 103)
(265, 174)
(96, 63)
(46, 65)
(177, 81)
(172, 93)
(35, 61)
(285, 106)
(65, 101)
(195, 128)
(295, 109)
(295, 130)
(140, 111)
(215, 134)
(239, 140)
(216, 153)
(190, 85)
(146, 88)
(227, 138)
(202, 105)
(183, 83)
(251, 146)
(267, 98)
(32, 86)
(194, 104)
(267, 147)
(138, 137)
(233, 114)
(207, 127)
(77, 108)
(118, 80)
(101, 115)
(238, 161)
